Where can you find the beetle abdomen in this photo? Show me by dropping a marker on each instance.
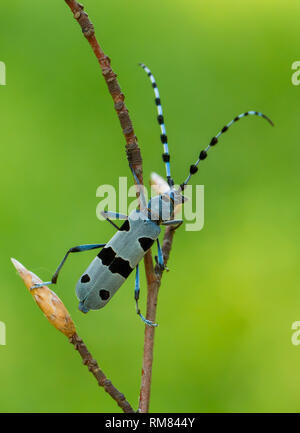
(115, 262)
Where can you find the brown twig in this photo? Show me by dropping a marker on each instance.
(102, 380)
(59, 317)
(153, 283)
(133, 152)
(132, 147)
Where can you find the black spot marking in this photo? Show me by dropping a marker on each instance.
(203, 155)
(154, 85)
(85, 278)
(246, 114)
(107, 255)
(236, 118)
(160, 119)
(157, 101)
(120, 266)
(146, 243)
(214, 141)
(166, 157)
(164, 138)
(149, 74)
(104, 294)
(170, 181)
(193, 169)
(74, 250)
(125, 227)
(224, 129)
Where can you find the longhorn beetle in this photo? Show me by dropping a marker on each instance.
(122, 254)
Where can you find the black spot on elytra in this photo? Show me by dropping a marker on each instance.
(125, 226)
(107, 255)
(146, 243)
(121, 266)
(104, 294)
(85, 278)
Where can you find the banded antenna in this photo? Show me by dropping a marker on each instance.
(160, 119)
(215, 139)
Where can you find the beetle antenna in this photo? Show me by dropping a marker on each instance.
(161, 121)
(214, 141)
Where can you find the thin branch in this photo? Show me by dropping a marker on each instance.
(59, 317)
(153, 275)
(153, 283)
(132, 148)
(102, 380)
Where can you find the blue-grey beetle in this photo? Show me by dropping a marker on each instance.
(122, 254)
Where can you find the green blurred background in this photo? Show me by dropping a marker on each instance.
(226, 308)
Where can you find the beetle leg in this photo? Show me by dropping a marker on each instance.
(114, 215)
(160, 258)
(175, 223)
(107, 215)
(136, 297)
(77, 249)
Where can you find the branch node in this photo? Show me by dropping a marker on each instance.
(113, 86)
(134, 158)
(88, 31)
(106, 383)
(106, 71)
(128, 130)
(112, 78)
(119, 105)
